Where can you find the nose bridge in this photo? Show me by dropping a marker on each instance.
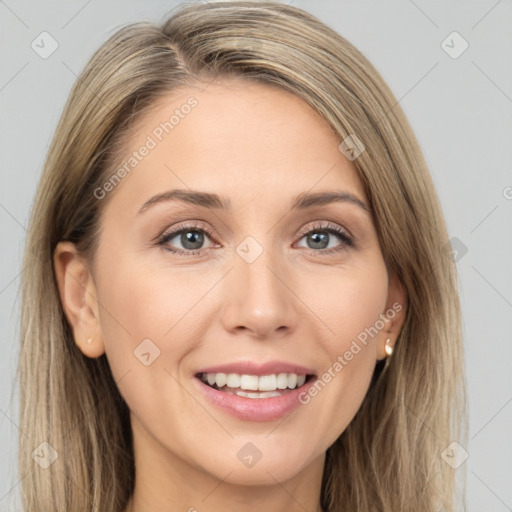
(260, 299)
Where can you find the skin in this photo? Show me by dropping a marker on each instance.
(259, 147)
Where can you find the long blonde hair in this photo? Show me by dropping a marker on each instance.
(389, 458)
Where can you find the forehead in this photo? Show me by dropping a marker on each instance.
(235, 138)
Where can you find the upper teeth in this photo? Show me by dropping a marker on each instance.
(255, 382)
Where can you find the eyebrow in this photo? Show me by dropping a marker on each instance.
(209, 200)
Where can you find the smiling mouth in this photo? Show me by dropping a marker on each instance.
(255, 386)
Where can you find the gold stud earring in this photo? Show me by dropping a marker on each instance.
(389, 348)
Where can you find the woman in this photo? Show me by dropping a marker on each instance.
(238, 292)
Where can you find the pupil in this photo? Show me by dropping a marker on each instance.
(319, 238)
(192, 237)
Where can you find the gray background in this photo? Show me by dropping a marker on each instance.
(460, 109)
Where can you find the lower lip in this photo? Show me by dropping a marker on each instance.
(255, 409)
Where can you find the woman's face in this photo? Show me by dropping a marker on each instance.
(253, 295)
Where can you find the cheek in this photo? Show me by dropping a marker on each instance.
(357, 310)
(352, 313)
(148, 328)
(357, 321)
(143, 310)
(348, 301)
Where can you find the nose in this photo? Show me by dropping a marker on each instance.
(259, 297)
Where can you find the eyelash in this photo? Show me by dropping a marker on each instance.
(333, 229)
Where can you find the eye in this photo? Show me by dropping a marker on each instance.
(319, 237)
(190, 236)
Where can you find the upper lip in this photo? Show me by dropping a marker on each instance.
(253, 368)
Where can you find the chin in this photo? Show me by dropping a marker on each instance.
(248, 465)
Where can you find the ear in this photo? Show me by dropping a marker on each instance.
(78, 297)
(393, 317)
